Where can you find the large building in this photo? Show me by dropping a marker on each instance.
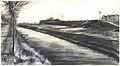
(111, 18)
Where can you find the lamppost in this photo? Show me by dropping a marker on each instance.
(99, 15)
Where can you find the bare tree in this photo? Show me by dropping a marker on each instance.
(12, 8)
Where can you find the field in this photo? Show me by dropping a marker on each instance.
(97, 35)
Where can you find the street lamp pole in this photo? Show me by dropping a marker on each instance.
(99, 15)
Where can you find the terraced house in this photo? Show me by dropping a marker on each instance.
(111, 18)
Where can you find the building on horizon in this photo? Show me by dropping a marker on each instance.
(111, 18)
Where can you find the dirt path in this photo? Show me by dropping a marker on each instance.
(62, 52)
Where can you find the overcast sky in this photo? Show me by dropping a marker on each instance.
(70, 9)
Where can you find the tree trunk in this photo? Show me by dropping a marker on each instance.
(12, 22)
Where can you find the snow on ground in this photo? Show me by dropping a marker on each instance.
(101, 34)
(52, 42)
(72, 29)
(80, 30)
(51, 26)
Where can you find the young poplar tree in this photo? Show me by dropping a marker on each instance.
(12, 9)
